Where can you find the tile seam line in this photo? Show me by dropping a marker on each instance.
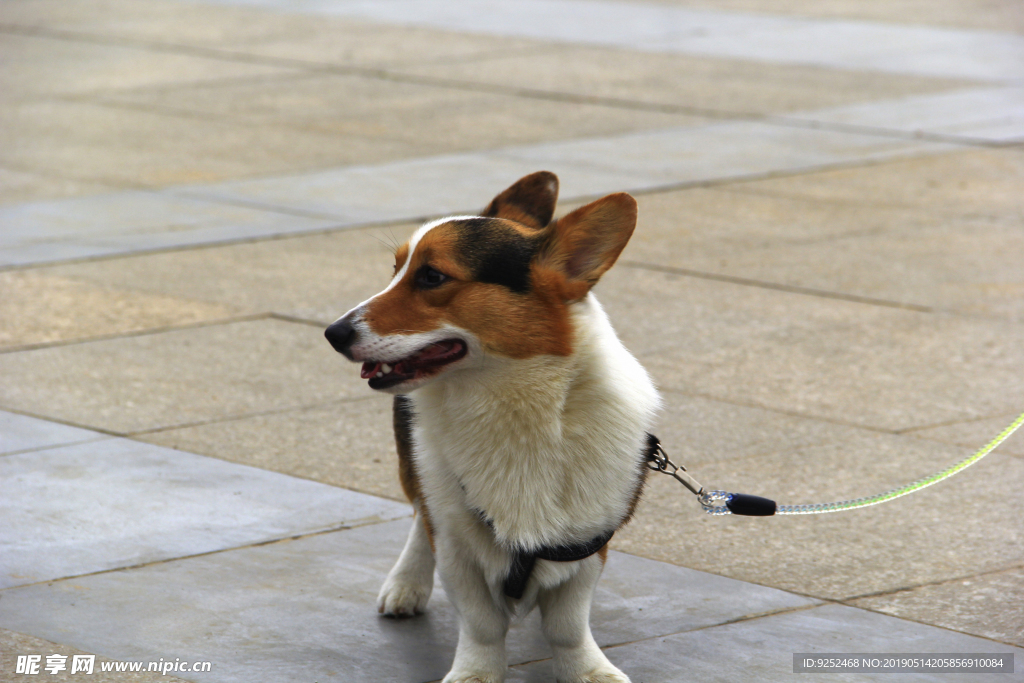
(1017, 564)
(938, 626)
(789, 289)
(230, 320)
(391, 74)
(270, 541)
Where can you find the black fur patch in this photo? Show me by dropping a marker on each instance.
(496, 253)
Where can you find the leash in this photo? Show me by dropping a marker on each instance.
(725, 503)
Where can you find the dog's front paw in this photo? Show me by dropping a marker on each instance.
(456, 677)
(603, 675)
(404, 596)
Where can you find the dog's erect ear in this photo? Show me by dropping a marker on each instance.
(530, 201)
(584, 244)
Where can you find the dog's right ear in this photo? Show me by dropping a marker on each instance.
(530, 200)
(585, 243)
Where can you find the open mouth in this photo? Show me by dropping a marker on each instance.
(424, 363)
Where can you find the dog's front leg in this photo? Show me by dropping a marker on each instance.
(406, 590)
(565, 618)
(480, 655)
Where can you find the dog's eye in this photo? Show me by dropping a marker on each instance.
(428, 278)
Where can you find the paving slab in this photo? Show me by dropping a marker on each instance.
(25, 186)
(975, 605)
(13, 644)
(970, 183)
(235, 31)
(995, 15)
(661, 28)
(305, 610)
(763, 649)
(40, 66)
(925, 257)
(39, 309)
(315, 277)
(854, 363)
(115, 223)
(116, 503)
(691, 83)
(953, 529)
(140, 147)
(425, 119)
(24, 433)
(349, 444)
(179, 377)
(995, 115)
(973, 432)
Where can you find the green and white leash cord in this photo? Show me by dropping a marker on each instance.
(725, 503)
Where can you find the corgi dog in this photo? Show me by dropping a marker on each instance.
(521, 421)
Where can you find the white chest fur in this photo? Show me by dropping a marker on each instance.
(546, 447)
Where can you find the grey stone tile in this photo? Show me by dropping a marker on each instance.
(995, 114)
(955, 528)
(657, 28)
(179, 377)
(1002, 15)
(131, 221)
(304, 610)
(975, 605)
(108, 504)
(24, 433)
(763, 649)
(13, 644)
(42, 309)
(847, 362)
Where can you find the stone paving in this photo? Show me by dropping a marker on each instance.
(825, 283)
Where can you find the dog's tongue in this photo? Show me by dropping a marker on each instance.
(369, 370)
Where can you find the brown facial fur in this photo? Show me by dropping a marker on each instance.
(507, 323)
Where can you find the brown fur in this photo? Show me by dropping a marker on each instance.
(402, 417)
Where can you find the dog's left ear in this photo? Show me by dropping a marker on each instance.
(530, 201)
(584, 244)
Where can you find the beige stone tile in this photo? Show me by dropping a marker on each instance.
(935, 259)
(702, 83)
(992, 15)
(315, 277)
(38, 66)
(13, 644)
(40, 309)
(133, 147)
(254, 31)
(972, 183)
(979, 605)
(425, 119)
(348, 444)
(952, 529)
(24, 186)
(841, 361)
(977, 433)
(179, 377)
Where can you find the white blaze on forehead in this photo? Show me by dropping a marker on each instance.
(413, 243)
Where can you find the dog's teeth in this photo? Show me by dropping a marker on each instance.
(380, 374)
(386, 368)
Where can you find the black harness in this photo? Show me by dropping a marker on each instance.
(522, 562)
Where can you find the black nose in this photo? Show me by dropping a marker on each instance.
(342, 335)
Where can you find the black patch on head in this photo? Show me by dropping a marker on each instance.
(496, 252)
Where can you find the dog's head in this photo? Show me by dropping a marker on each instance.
(499, 284)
